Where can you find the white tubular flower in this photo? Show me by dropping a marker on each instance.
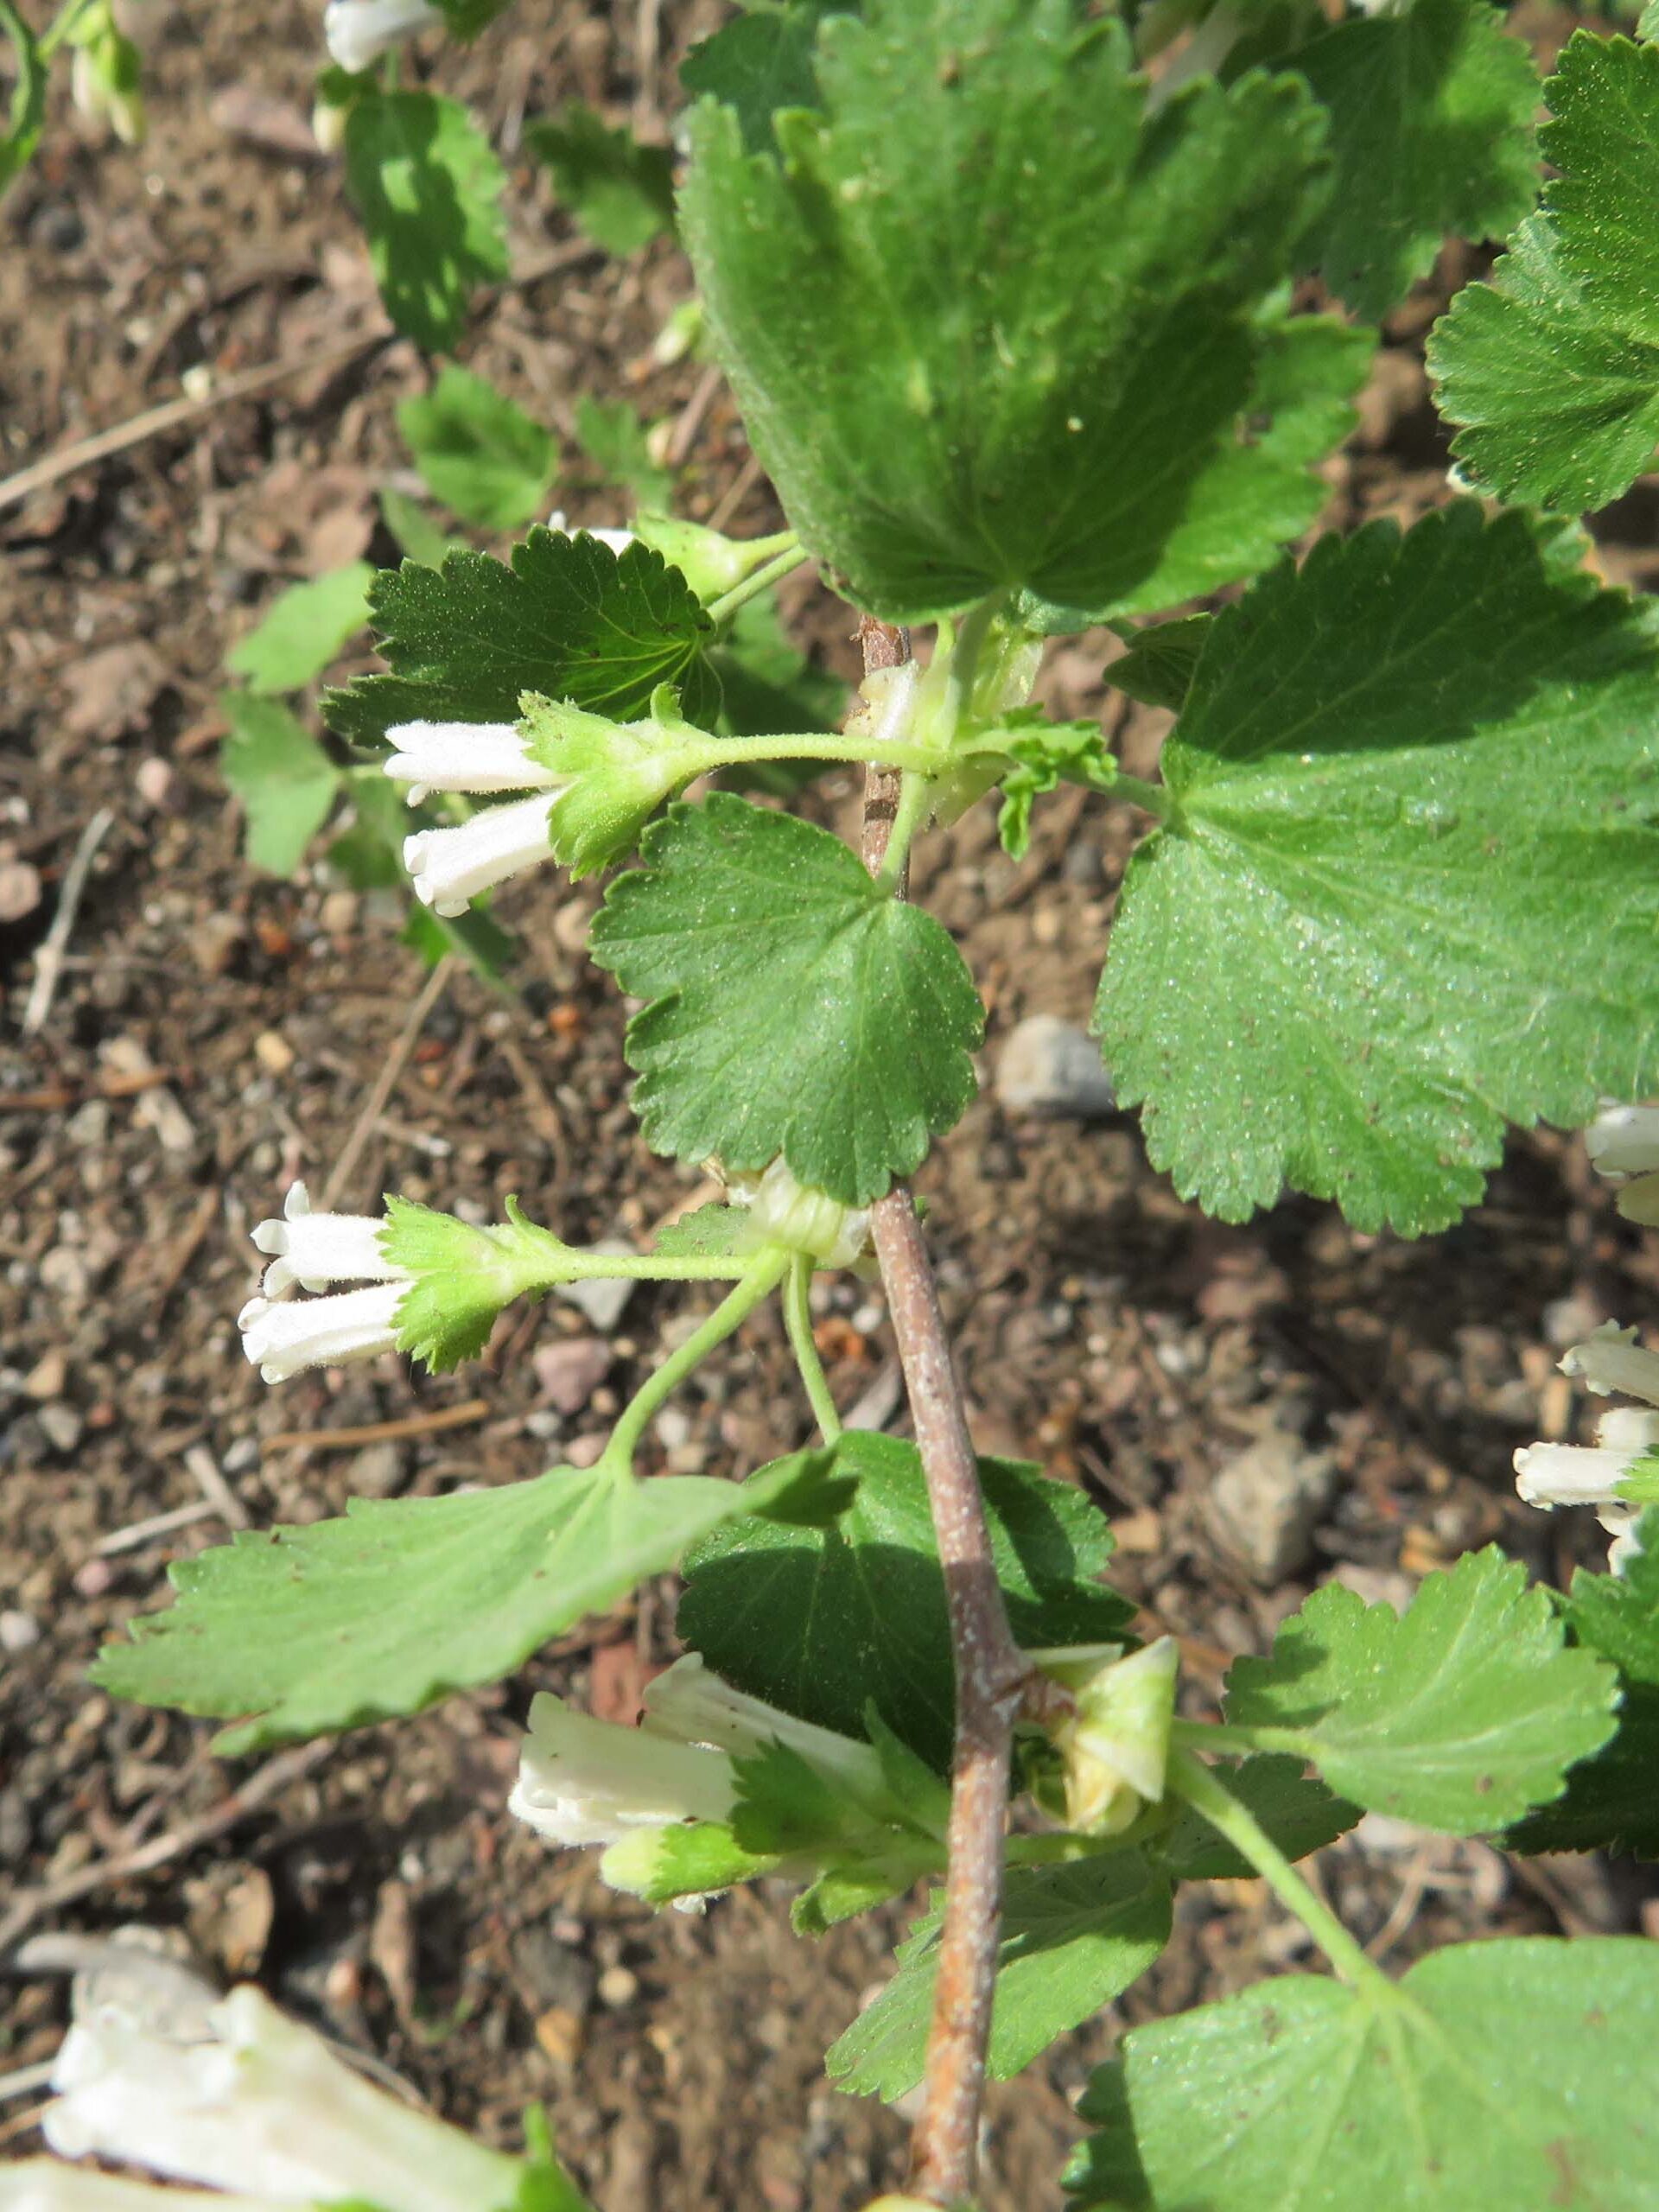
(687, 1704)
(44, 2185)
(582, 1781)
(476, 757)
(784, 1212)
(1115, 1741)
(1624, 1140)
(450, 868)
(313, 1249)
(1606, 1475)
(281, 1340)
(256, 2102)
(618, 541)
(1612, 1360)
(358, 32)
(887, 705)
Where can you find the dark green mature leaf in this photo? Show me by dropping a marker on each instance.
(1073, 1938)
(1431, 109)
(428, 190)
(1041, 398)
(1611, 1801)
(348, 1621)
(303, 629)
(1299, 1814)
(1552, 369)
(757, 64)
(1511, 2074)
(479, 451)
(569, 619)
(286, 782)
(1415, 796)
(821, 1621)
(621, 193)
(1161, 661)
(795, 1008)
(1462, 1715)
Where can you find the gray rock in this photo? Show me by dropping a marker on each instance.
(1266, 1505)
(1047, 1066)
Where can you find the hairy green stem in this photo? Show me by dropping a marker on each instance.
(808, 745)
(766, 1269)
(915, 799)
(773, 572)
(572, 1265)
(1152, 798)
(1207, 1794)
(61, 26)
(797, 1319)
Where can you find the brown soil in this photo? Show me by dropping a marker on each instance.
(1105, 1327)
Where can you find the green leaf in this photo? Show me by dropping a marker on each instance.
(421, 539)
(477, 938)
(428, 190)
(1611, 1801)
(1431, 109)
(1413, 798)
(1462, 1715)
(1158, 667)
(757, 64)
(613, 439)
(303, 629)
(27, 114)
(308, 1630)
(465, 19)
(480, 452)
(1073, 1938)
(708, 1233)
(1299, 1814)
(1552, 369)
(569, 620)
(821, 1622)
(286, 782)
(794, 1007)
(618, 192)
(1036, 399)
(1511, 2074)
(1047, 754)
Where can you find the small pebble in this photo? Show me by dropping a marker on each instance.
(273, 1051)
(46, 1379)
(62, 1426)
(1049, 1066)
(153, 781)
(618, 1987)
(19, 1632)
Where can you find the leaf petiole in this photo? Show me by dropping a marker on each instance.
(766, 1270)
(915, 796)
(782, 564)
(1230, 1736)
(1152, 798)
(797, 1319)
(1207, 1794)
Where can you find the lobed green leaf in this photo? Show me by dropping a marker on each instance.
(428, 189)
(303, 629)
(480, 452)
(286, 782)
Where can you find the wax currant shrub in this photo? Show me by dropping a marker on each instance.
(1026, 365)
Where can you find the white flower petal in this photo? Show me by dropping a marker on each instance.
(582, 1781)
(1570, 1474)
(450, 868)
(1624, 1140)
(48, 2185)
(281, 1340)
(358, 32)
(479, 757)
(1612, 1360)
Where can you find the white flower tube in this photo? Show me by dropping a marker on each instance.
(582, 1781)
(688, 1704)
(1604, 1475)
(477, 757)
(1624, 1140)
(262, 2104)
(46, 2185)
(450, 868)
(313, 1249)
(281, 1340)
(358, 32)
(1612, 1360)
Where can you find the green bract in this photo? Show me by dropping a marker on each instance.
(1414, 824)
(1552, 368)
(795, 1008)
(1047, 395)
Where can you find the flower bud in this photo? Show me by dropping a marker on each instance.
(1612, 1360)
(1112, 1733)
(688, 1704)
(1624, 1140)
(358, 32)
(784, 1212)
(710, 562)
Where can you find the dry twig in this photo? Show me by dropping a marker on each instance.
(48, 961)
(386, 1081)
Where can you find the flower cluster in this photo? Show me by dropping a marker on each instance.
(1618, 1475)
(315, 1249)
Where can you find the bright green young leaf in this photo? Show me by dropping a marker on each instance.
(620, 193)
(1431, 108)
(1413, 801)
(613, 439)
(428, 189)
(1047, 754)
(757, 64)
(709, 1233)
(1041, 398)
(303, 629)
(295, 1631)
(794, 1007)
(1073, 1938)
(1647, 22)
(421, 539)
(1158, 667)
(480, 452)
(1299, 1814)
(1462, 1715)
(1511, 2075)
(27, 114)
(821, 1622)
(1552, 369)
(569, 620)
(1611, 1801)
(286, 782)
